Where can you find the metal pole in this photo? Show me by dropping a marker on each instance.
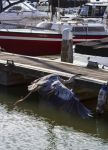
(1, 6)
(58, 9)
(58, 3)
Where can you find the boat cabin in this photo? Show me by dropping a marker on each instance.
(91, 28)
(94, 9)
(20, 12)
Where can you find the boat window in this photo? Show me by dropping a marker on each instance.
(96, 29)
(79, 29)
(84, 10)
(88, 29)
(15, 8)
(92, 11)
(100, 10)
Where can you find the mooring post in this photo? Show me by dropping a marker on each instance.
(67, 46)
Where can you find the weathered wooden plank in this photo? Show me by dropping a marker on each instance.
(33, 64)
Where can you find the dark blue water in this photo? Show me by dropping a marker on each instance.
(34, 125)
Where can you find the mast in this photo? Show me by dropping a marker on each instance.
(1, 6)
(58, 13)
(53, 9)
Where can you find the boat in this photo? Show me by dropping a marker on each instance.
(95, 48)
(96, 52)
(94, 9)
(46, 38)
(30, 42)
(23, 14)
(83, 29)
(88, 24)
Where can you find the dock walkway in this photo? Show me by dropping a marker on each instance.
(51, 66)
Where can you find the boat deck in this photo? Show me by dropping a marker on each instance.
(36, 30)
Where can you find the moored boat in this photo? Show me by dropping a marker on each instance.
(30, 42)
(97, 51)
(94, 9)
(22, 14)
(82, 29)
(94, 48)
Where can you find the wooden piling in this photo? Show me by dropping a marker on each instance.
(67, 46)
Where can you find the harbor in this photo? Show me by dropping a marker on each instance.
(35, 125)
(19, 69)
(53, 75)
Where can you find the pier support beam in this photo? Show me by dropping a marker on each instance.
(67, 46)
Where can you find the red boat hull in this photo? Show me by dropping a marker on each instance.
(33, 44)
(37, 43)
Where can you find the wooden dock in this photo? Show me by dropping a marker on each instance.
(34, 66)
(18, 69)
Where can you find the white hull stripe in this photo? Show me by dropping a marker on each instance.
(30, 38)
(77, 40)
(41, 39)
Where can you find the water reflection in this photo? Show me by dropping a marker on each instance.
(38, 125)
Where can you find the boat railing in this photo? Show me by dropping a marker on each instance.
(13, 24)
(19, 23)
(9, 24)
